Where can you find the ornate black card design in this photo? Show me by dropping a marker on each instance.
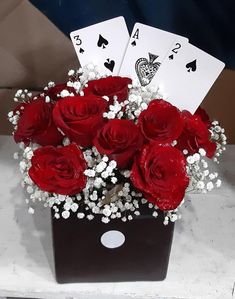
(146, 69)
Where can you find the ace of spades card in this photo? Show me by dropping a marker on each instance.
(146, 51)
(186, 79)
(102, 44)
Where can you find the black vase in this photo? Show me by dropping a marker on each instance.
(80, 255)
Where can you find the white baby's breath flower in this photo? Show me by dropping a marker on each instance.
(65, 214)
(190, 159)
(80, 215)
(202, 152)
(77, 85)
(64, 93)
(71, 72)
(173, 217)
(89, 172)
(114, 180)
(105, 219)
(200, 185)
(16, 156)
(31, 210)
(90, 217)
(101, 166)
(155, 214)
(209, 186)
(51, 84)
(47, 99)
(218, 183)
(196, 157)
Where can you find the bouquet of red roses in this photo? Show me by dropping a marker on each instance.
(107, 145)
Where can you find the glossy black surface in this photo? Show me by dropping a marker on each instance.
(80, 256)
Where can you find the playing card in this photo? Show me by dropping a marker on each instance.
(103, 44)
(145, 52)
(186, 76)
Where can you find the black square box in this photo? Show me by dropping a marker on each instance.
(80, 256)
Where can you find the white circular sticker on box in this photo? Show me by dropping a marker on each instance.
(112, 239)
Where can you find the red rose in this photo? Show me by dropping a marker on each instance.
(36, 124)
(161, 122)
(159, 172)
(52, 92)
(58, 170)
(120, 139)
(195, 135)
(110, 86)
(80, 117)
(204, 116)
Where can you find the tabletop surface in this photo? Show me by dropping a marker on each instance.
(202, 262)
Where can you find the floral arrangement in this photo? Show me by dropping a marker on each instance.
(100, 145)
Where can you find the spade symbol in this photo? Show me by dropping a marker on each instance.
(109, 64)
(146, 69)
(171, 57)
(133, 43)
(81, 51)
(191, 66)
(102, 42)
